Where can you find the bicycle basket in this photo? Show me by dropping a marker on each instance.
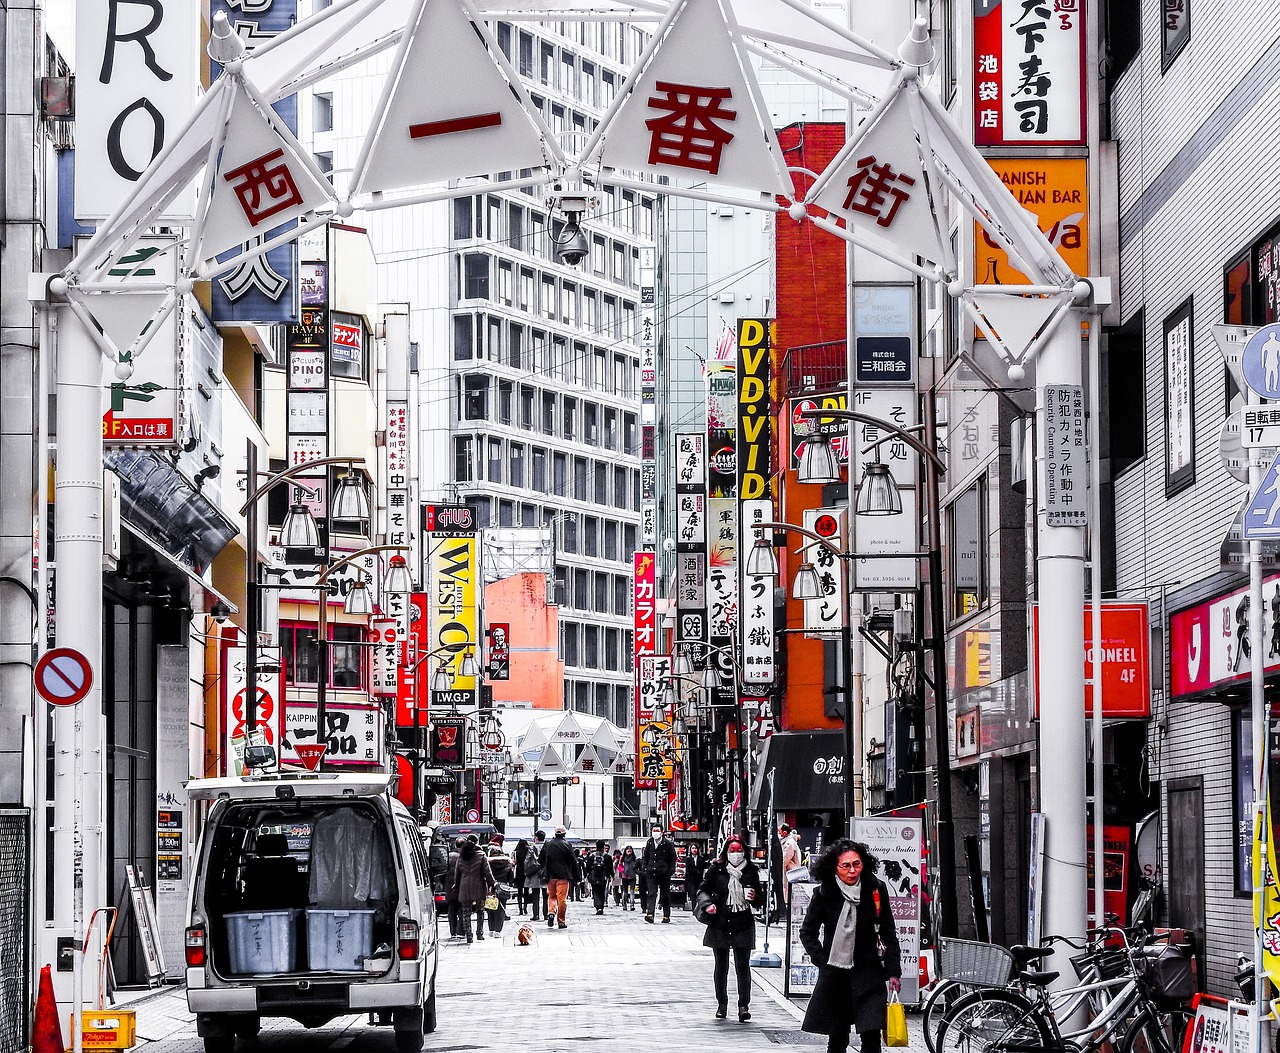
(1111, 964)
(973, 962)
(1169, 976)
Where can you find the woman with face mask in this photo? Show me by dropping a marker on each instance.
(732, 883)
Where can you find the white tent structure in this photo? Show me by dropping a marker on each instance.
(552, 744)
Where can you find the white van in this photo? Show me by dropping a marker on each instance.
(311, 899)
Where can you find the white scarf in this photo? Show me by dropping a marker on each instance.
(842, 944)
(737, 897)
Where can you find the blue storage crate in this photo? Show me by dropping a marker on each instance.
(262, 941)
(338, 940)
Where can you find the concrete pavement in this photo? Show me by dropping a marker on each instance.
(602, 980)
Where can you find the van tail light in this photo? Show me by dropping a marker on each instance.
(195, 946)
(408, 940)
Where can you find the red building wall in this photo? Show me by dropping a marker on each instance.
(811, 309)
(537, 674)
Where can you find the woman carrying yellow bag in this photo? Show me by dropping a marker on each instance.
(849, 933)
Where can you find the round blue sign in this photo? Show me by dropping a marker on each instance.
(1260, 362)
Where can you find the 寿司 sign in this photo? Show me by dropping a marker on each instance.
(1209, 643)
(1126, 665)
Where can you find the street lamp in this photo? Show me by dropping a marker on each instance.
(392, 582)
(440, 681)
(708, 679)
(806, 585)
(879, 496)
(297, 531)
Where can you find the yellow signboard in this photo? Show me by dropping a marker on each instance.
(454, 613)
(1056, 191)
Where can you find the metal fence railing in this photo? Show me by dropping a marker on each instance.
(15, 928)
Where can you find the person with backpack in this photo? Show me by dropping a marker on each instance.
(535, 880)
(850, 934)
(599, 870)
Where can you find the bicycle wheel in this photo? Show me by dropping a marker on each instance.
(944, 995)
(997, 1021)
(1156, 1032)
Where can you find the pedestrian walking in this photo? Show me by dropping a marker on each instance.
(730, 889)
(522, 893)
(535, 881)
(847, 925)
(473, 882)
(629, 872)
(599, 870)
(657, 865)
(450, 893)
(503, 868)
(563, 869)
(615, 875)
(695, 869)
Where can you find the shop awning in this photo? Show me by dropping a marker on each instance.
(809, 767)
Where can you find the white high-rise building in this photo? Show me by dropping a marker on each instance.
(528, 369)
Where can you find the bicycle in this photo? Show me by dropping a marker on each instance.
(966, 966)
(1026, 1019)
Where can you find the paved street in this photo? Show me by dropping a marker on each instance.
(601, 980)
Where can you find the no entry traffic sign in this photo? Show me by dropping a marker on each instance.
(63, 676)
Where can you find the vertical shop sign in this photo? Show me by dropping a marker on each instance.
(754, 464)
(757, 624)
(139, 76)
(1179, 401)
(235, 686)
(1028, 78)
(307, 349)
(825, 616)
(1066, 496)
(655, 748)
(149, 408)
(454, 614)
(689, 473)
(644, 624)
(899, 846)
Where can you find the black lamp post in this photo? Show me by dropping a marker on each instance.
(879, 496)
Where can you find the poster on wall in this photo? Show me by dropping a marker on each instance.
(898, 844)
(801, 972)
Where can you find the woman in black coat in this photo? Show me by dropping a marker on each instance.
(850, 908)
(732, 884)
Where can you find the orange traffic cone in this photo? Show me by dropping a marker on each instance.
(46, 1028)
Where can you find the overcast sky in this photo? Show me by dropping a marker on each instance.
(60, 25)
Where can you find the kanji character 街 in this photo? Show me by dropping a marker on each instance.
(688, 136)
(264, 190)
(867, 190)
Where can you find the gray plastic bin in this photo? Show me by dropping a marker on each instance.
(339, 940)
(262, 941)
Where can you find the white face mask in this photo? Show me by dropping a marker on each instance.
(657, 835)
(735, 857)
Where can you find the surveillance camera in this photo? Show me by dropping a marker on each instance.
(571, 245)
(669, 544)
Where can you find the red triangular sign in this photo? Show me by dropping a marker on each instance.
(310, 753)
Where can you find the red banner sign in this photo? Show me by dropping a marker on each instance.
(1126, 665)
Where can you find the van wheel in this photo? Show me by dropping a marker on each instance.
(429, 1011)
(248, 1026)
(219, 1044)
(409, 1033)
